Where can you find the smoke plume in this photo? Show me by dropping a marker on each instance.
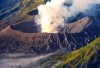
(53, 14)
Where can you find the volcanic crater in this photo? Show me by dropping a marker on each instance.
(27, 39)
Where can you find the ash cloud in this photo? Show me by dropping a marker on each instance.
(53, 14)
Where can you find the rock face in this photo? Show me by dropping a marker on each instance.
(86, 57)
(78, 26)
(13, 39)
(23, 35)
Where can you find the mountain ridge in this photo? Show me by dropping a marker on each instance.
(85, 57)
(17, 11)
(40, 43)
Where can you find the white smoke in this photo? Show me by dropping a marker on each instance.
(52, 14)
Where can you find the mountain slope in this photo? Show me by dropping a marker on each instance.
(26, 41)
(16, 11)
(81, 58)
(86, 57)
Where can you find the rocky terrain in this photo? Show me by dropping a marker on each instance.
(86, 57)
(19, 33)
(18, 39)
(22, 45)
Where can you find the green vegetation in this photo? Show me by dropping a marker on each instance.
(30, 5)
(80, 57)
(24, 6)
(15, 11)
(77, 59)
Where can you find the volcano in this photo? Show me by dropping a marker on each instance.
(20, 34)
(23, 44)
(27, 39)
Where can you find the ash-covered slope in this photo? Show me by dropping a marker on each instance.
(86, 57)
(24, 37)
(14, 39)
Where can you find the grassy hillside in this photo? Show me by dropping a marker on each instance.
(80, 58)
(86, 57)
(15, 11)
